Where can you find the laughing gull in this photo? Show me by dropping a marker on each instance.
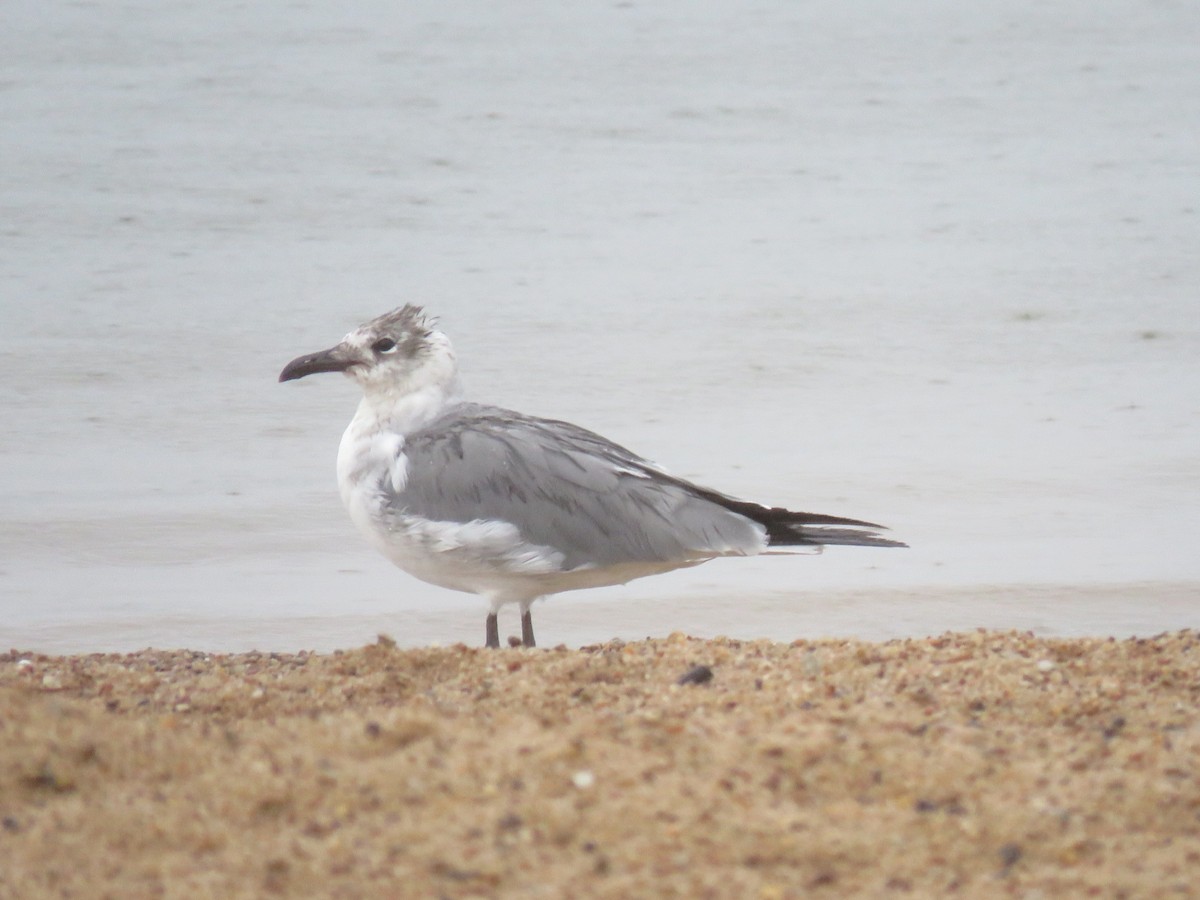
(512, 507)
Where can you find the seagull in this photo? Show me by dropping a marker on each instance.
(513, 507)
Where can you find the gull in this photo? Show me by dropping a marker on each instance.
(513, 507)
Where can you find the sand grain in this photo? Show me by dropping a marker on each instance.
(981, 764)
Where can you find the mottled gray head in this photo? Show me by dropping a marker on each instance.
(398, 351)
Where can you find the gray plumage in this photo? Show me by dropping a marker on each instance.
(563, 487)
(592, 500)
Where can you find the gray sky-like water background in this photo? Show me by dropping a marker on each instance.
(927, 264)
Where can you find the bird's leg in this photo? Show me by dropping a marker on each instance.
(493, 632)
(527, 628)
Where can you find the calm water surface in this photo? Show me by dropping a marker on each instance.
(934, 267)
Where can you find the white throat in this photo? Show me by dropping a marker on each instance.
(403, 409)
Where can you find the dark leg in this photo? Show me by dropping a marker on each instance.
(493, 632)
(527, 629)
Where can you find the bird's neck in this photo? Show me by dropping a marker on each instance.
(409, 407)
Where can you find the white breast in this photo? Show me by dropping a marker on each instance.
(369, 460)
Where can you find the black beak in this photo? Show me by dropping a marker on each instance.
(324, 361)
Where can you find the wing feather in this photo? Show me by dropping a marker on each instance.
(564, 487)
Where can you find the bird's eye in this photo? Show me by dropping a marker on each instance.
(384, 345)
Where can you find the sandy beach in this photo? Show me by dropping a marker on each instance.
(972, 764)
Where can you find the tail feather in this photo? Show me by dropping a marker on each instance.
(801, 535)
(786, 528)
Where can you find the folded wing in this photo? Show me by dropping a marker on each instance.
(566, 488)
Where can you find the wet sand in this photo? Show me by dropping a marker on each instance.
(974, 764)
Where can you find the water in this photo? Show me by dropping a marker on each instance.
(933, 266)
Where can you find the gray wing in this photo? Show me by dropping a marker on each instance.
(563, 487)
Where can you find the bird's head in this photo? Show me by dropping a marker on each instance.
(397, 353)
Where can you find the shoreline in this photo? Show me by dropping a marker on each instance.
(977, 763)
(754, 612)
